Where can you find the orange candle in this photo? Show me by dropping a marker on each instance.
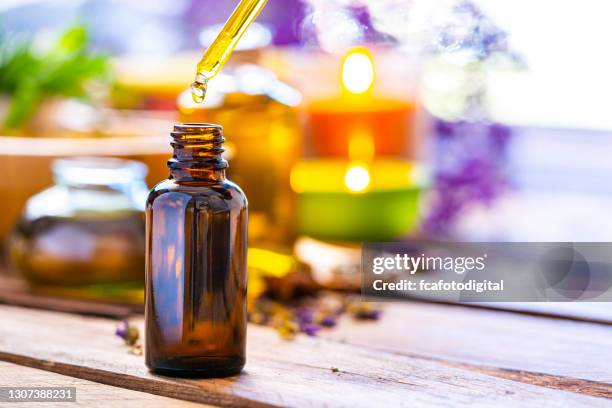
(357, 124)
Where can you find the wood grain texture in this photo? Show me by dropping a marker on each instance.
(88, 393)
(593, 312)
(278, 373)
(488, 339)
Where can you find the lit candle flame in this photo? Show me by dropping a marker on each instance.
(357, 178)
(358, 71)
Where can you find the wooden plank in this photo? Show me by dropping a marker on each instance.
(297, 373)
(77, 306)
(594, 312)
(16, 292)
(490, 339)
(88, 393)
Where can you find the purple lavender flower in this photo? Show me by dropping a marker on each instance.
(122, 329)
(309, 328)
(328, 321)
(470, 169)
(304, 315)
(130, 334)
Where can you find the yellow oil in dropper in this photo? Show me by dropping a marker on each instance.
(220, 50)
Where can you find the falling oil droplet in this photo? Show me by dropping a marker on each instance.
(198, 88)
(198, 91)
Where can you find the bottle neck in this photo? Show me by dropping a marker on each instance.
(198, 153)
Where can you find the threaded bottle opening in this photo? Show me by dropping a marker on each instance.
(194, 131)
(198, 149)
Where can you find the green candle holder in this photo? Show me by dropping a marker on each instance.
(383, 206)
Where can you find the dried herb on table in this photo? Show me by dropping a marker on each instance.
(363, 310)
(283, 295)
(309, 315)
(131, 335)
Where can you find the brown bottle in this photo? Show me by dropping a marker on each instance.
(196, 276)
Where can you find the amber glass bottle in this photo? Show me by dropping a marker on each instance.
(196, 261)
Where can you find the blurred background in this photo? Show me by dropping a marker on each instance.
(346, 121)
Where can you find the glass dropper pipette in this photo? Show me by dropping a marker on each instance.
(220, 50)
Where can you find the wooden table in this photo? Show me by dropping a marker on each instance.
(418, 354)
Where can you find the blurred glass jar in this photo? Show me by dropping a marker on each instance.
(84, 236)
(260, 121)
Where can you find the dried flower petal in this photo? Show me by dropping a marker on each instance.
(136, 349)
(310, 329)
(121, 329)
(304, 315)
(368, 315)
(288, 330)
(328, 321)
(308, 315)
(130, 334)
(363, 310)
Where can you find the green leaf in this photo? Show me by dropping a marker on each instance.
(31, 78)
(24, 103)
(72, 40)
